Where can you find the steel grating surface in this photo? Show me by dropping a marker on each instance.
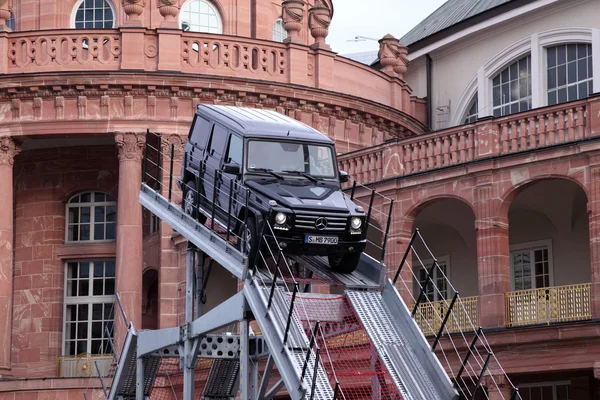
(320, 266)
(399, 359)
(150, 367)
(222, 380)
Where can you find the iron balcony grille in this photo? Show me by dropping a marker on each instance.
(333, 223)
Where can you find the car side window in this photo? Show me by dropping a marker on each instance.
(234, 153)
(200, 131)
(218, 140)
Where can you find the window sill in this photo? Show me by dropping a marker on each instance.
(87, 250)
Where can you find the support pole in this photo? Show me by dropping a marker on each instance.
(422, 293)
(441, 331)
(188, 356)
(471, 347)
(387, 230)
(245, 370)
(412, 239)
(139, 380)
(515, 393)
(481, 375)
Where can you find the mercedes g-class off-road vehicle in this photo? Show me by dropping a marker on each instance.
(290, 173)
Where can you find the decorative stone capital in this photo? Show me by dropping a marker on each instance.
(293, 16)
(133, 9)
(5, 9)
(178, 142)
(169, 9)
(130, 145)
(8, 150)
(319, 19)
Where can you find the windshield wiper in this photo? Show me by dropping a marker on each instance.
(304, 174)
(268, 171)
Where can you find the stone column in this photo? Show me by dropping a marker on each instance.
(493, 261)
(594, 228)
(8, 150)
(129, 228)
(498, 387)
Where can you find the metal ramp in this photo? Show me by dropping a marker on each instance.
(311, 346)
(401, 345)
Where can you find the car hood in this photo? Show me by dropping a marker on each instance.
(302, 193)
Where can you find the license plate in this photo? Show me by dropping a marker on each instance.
(321, 239)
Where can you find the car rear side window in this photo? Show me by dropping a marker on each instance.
(200, 132)
(234, 154)
(217, 143)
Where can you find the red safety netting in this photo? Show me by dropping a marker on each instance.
(347, 355)
(168, 384)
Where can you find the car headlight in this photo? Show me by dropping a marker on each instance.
(280, 218)
(355, 223)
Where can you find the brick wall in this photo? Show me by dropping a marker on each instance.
(44, 181)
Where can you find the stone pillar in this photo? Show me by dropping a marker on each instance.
(594, 228)
(169, 271)
(293, 19)
(133, 9)
(8, 150)
(129, 228)
(497, 386)
(319, 19)
(493, 260)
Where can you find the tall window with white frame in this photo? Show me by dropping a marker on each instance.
(440, 291)
(279, 32)
(547, 391)
(200, 16)
(569, 74)
(473, 111)
(91, 217)
(94, 14)
(89, 306)
(511, 88)
(531, 265)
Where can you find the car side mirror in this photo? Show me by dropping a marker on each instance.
(344, 177)
(231, 168)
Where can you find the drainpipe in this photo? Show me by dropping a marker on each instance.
(429, 97)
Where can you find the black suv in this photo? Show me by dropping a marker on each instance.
(289, 172)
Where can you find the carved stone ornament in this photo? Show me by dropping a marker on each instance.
(8, 150)
(134, 8)
(388, 53)
(5, 9)
(401, 52)
(319, 19)
(130, 145)
(293, 16)
(169, 9)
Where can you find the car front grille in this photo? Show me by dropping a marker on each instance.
(308, 222)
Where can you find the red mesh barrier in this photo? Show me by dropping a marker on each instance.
(169, 379)
(346, 352)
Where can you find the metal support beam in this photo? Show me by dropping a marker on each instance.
(189, 356)
(265, 379)
(139, 380)
(274, 390)
(231, 310)
(151, 341)
(245, 375)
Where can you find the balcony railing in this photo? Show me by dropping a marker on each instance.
(429, 316)
(549, 305)
(82, 365)
(535, 129)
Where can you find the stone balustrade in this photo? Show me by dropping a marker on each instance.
(545, 127)
(135, 48)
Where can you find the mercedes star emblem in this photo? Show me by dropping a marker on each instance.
(321, 223)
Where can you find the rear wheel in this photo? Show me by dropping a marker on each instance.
(345, 264)
(190, 200)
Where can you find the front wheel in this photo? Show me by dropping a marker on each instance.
(248, 231)
(345, 264)
(190, 194)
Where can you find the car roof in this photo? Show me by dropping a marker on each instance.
(255, 122)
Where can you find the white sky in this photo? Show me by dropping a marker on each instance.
(374, 19)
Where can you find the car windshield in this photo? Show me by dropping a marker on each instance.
(291, 157)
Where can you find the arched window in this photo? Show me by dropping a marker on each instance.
(279, 33)
(473, 111)
(569, 72)
(200, 16)
(11, 22)
(512, 88)
(93, 14)
(91, 216)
